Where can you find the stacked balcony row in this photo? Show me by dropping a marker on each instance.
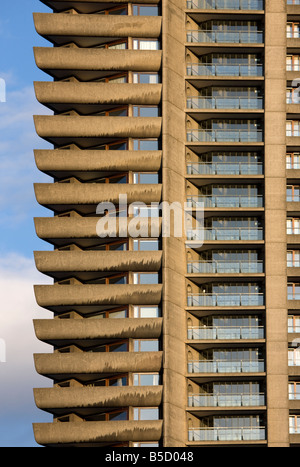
(107, 292)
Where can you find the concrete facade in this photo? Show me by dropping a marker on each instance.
(161, 340)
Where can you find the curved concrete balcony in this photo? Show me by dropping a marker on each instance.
(93, 433)
(92, 164)
(87, 365)
(92, 97)
(85, 30)
(92, 398)
(62, 62)
(62, 231)
(56, 330)
(87, 6)
(86, 265)
(89, 298)
(85, 197)
(91, 130)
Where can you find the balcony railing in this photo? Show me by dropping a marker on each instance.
(235, 103)
(225, 332)
(225, 267)
(230, 37)
(225, 299)
(226, 4)
(293, 231)
(293, 198)
(225, 168)
(293, 2)
(224, 201)
(227, 434)
(223, 366)
(226, 400)
(210, 69)
(225, 136)
(227, 234)
(293, 328)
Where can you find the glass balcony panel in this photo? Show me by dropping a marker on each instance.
(224, 103)
(226, 333)
(234, 136)
(224, 366)
(198, 69)
(227, 4)
(227, 434)
(226, 400)
(224, 201)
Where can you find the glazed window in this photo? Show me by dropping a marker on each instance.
(149, 413)
(145, 211)
(123, 10)
(145, 10)
(146, 44)
(293, 160)
(145, 144)
(146, 245)
(123, 78)
(146, 78)
(144, 278)
(146, 178)
(118, 45)
(146, 345)
(114, 314)
(146, 379)
(292, 30)
(117, 112)
(145, 111)
(146, 311)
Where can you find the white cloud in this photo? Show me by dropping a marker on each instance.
(17, 167)
(18, 376)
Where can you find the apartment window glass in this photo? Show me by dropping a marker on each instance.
(146, 245)
(146, 345)
(145, 178)
(146, 78)
(146, 278)
(146, 312)
(145, 10)
(293, 160)
(293, 226)
(145, 111)
(146, 379)
(146, 44)
(150, 413)
(145, 144)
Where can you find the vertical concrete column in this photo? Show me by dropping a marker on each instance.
(174, 261)
(275, 224)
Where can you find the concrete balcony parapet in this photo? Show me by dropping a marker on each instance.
(95, 397)
(49, 330)
(97, 93)
(50, 25)
(54, 128)
(97, 432)
(89, 261)
(58, 196)
(51, 161)
(95, 59)
(86, 364)
(83, 229)
(91, 295)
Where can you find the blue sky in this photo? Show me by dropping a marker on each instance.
(18, 207)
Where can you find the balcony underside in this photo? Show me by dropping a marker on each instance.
(88, 366)
(89, 64)
(88, 264)
(93, 298)
(82, 231)
(86, 332)
(96, 433)
(89, 165)
(88, 400)
(90, 30)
